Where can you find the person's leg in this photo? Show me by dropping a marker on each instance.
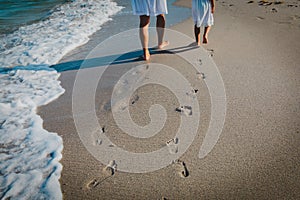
(144, 35)
(205, 35)
(160, 28)
(197, 34)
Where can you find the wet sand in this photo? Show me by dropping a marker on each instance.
(257, 156)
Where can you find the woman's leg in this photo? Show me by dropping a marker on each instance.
(205, 35)
(144, 35)
(160, 28)
(197, 34)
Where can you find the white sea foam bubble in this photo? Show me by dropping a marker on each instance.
(47, 41)
(30, 155)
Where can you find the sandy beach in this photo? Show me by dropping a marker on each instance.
(256, 47)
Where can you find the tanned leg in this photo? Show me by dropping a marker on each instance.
(205, 35)
(144, 35)
(160, 28)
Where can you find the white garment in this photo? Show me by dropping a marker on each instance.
(202, 13)
(149, 7)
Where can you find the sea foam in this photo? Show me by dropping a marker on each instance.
(30, 155)
(47, 41)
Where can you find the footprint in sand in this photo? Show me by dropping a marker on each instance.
(173, 145)
(278, 2)
(274, 10)
(264, 3)
(192, 93)
(97, 136)
(92, 184)
(260, 18)
(201, 75)
(97, 142)
(181, 168)
(186, 110)
(210, 52)
(226, 4)
(109, 170)
(135, 99)
(291, 5)
(200, 62)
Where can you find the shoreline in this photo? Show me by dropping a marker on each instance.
(257, 155)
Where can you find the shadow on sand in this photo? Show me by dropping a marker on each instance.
(134, 56)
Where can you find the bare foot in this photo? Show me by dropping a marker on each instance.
(146, 55)
(163, 45)
(205, 40)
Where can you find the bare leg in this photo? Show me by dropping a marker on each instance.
(160, 28)
(205, 35)
(197, 34)
(144, 35)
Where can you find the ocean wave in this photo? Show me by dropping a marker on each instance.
(47, 41)
(29, 158)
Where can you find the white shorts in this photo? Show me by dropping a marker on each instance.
(149, 7)
(202, 13)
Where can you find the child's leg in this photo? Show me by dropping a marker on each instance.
(144, 35)
(205, 35)
(160, 28)
(197, 34)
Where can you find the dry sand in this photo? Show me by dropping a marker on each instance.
(256, 49)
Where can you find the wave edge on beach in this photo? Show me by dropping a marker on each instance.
(30, 153)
